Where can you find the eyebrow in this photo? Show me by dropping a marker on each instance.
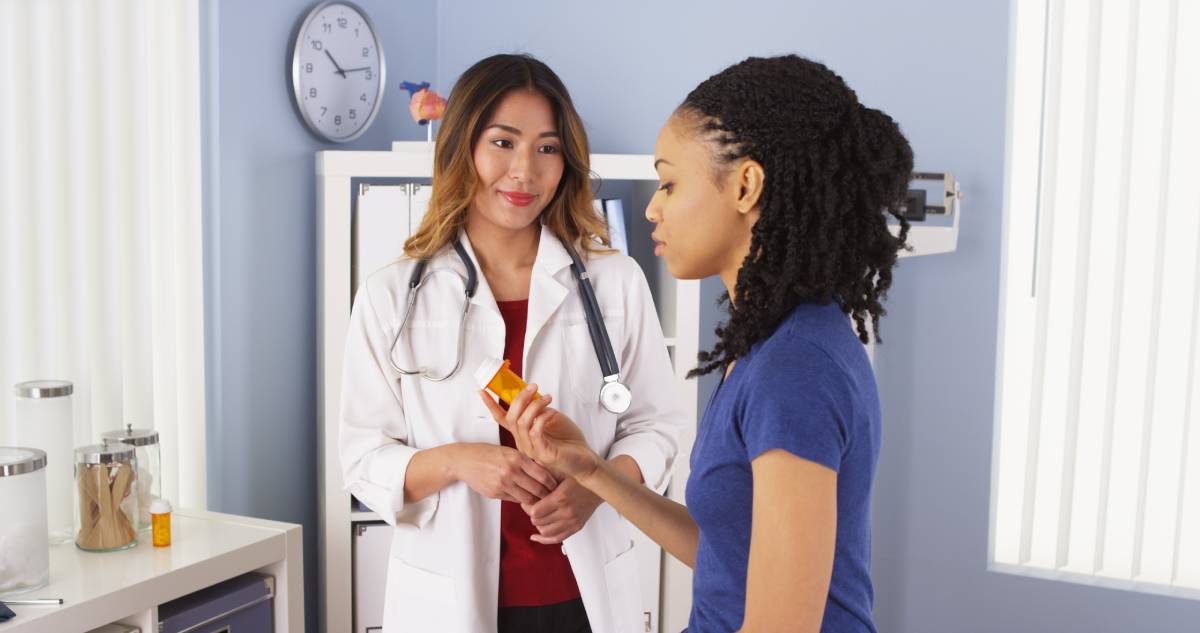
(512, 130)
(663, 161)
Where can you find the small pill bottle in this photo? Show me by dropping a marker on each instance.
(160, 521)
(495, 376)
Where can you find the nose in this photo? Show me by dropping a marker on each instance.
(520, 169)
(654, 210)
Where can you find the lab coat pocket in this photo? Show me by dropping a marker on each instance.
(624, 590)
(416, 599)
(581, 361)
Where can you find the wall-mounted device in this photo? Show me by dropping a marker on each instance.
(934, 193)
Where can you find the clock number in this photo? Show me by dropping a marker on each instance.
(316, 45)
(353, 114)
(327, 28)
(312, 92)
(308, 67)
(337, 120)
(369, 75)
(356, 33)
(363, 98)
(324, 110)
(366, 51)
(342, 22)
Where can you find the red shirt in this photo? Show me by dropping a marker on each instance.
(531, 574)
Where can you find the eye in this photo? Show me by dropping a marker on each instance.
(548, 149)
(667, 187)
(503, 143)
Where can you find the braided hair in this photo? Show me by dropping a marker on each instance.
(832, 169)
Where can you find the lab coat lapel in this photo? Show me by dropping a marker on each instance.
(546, 290)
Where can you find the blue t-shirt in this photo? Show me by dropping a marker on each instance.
(807, 389)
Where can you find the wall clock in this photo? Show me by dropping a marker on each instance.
(338, 71)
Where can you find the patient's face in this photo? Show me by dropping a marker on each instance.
(699, 231)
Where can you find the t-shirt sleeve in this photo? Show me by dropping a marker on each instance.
(796, 400)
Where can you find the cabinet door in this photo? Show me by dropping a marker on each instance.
(649, 560)
(372, 547)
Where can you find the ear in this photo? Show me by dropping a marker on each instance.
(750, 181)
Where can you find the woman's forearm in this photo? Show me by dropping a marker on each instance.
(664, 521)
(429, 471)
(627, 466)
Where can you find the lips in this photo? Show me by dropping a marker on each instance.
(518, 198)
(659, 245)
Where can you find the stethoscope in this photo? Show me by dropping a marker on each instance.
(615, 397)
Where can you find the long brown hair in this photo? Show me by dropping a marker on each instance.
(476, 94)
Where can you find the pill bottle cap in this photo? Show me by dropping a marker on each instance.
(160, 506)
(487, 370)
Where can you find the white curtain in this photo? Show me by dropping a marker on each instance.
(1097, 446)
(100, 220)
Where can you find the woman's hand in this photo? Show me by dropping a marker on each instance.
(545, 434)
(562, 513)
(499, 472)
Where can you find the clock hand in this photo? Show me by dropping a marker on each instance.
(339, 70)
(351, 70)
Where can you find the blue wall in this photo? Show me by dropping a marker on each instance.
(261, 247)
(938, 67)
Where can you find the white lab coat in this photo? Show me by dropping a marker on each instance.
(443, 574)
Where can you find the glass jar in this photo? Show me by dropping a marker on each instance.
(24, 539)
(106, 494)
(149, 461)
(45, 421)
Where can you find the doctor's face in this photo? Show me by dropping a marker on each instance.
(519, 161)
(699, 231)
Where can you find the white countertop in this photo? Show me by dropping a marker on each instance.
(206, 548)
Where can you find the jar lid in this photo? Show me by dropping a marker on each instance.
(131, 436)
(18, 460)
(103, 454)
(45, 389)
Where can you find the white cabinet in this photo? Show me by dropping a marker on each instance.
(126, 587)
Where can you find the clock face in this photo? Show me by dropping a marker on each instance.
(337, 71)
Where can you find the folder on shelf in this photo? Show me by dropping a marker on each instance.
(613, 211)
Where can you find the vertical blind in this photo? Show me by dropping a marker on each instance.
(1096, 469)
(100, 220)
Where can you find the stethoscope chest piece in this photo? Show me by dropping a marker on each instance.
(615, 397)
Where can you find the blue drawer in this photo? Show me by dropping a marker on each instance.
(241, 605)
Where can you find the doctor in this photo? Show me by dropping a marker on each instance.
(487, 539)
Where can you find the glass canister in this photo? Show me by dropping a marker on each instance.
(45, 421)
(149, 462)
(24, 540)
(106, 494)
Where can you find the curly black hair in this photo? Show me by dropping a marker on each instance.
(832, 170)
